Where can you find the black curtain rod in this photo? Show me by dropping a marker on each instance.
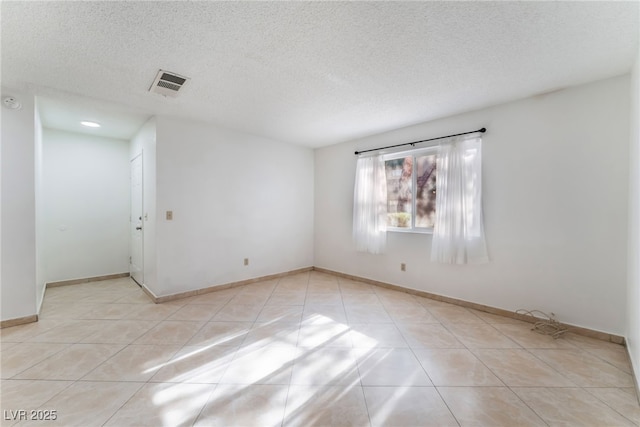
(483, 130)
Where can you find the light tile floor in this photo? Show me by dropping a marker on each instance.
(309, 349)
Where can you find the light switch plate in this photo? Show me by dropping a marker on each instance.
(169, 215)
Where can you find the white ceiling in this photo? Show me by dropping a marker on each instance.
(66, 112)
(309, 73)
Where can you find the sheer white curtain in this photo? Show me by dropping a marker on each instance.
(370, 205)
(458, 235)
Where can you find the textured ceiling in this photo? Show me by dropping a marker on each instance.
(314, 73)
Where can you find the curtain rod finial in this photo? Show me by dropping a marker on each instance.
(356, 153)
(483, 130)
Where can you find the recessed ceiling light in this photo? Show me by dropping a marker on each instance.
(90, 124)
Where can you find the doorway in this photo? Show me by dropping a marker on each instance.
(136, 258)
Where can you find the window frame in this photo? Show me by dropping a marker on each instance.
(417, 152)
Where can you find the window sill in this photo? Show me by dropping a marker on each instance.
(410, 231)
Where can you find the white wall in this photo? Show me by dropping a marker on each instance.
(555, 171)
(85, 205)
(18, 276)
(233, 196)
(633, 281)
(144, 142)
(40, 259)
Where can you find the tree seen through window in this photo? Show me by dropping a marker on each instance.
(411, 187)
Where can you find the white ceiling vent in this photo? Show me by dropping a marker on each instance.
(168, 84)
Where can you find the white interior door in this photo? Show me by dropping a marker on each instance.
(136, 258)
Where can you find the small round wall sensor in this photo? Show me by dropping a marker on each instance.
(11, 103)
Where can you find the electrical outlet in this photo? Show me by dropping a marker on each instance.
(169, 215)
(246, 261)
(403, 267)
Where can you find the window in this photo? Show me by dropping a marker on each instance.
(397, 192)
(411, 190)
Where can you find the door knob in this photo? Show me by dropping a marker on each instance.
(138, 228)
